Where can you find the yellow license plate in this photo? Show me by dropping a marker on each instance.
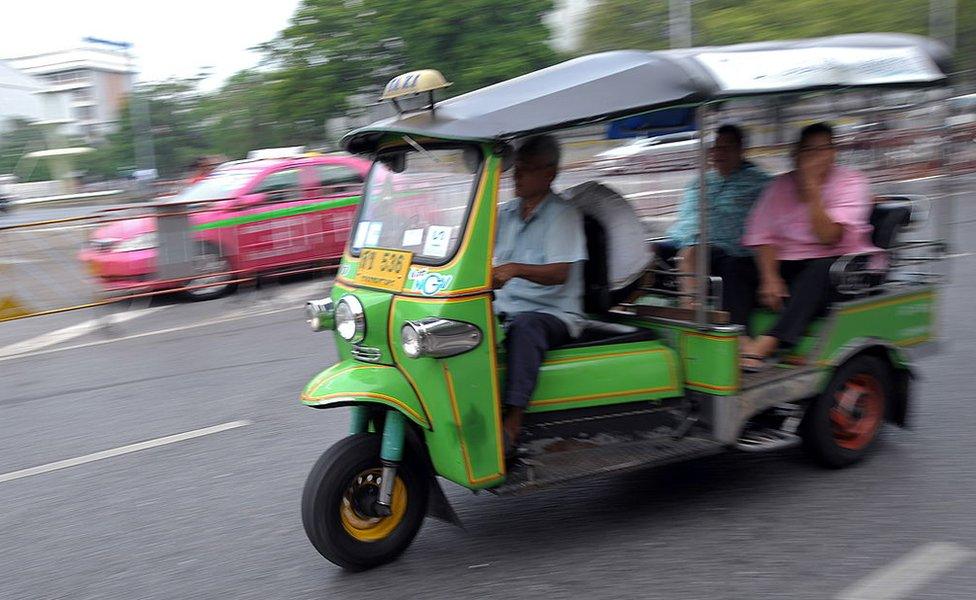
(384, 269)
(93, 269)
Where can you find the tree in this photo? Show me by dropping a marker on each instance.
(177, 134)
(625, 24)
(618, 24)
(20, 138)
(332, 50)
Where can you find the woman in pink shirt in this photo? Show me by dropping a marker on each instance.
(801, 224)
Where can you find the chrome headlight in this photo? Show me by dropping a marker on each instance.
(320, 314)
(350, 319)
(438, 338)
(143, 241)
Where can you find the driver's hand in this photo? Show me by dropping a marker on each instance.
(502, 273)
(772, 292)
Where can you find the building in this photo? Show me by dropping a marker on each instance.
(96, 78)
(30, 99)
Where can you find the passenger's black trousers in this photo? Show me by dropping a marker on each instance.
(529, 335)
(810, 293)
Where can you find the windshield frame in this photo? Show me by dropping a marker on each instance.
(476, 186)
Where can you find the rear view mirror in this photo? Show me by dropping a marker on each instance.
(394, 161)
(507, 152)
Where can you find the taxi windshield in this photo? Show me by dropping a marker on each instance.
(222, 184)
(418, 201)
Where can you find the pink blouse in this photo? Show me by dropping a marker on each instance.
(781, 220)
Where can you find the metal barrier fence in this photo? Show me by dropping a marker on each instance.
(200, 249)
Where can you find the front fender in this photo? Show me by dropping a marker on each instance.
(348, 383)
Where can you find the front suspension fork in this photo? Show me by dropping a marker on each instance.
(391, 451)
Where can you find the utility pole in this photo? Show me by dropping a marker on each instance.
(942, 22)
(679, 23)
(145, 158)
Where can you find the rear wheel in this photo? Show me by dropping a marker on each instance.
(210, 266)
(339, 505)
(843, 423)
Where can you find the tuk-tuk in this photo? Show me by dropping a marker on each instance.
(421, 356)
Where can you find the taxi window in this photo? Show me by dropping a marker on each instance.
(281, 186)
(330, 176)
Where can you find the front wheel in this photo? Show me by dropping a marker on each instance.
(338, 504)
(843, 423)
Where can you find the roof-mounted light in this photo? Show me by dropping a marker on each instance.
(407, 91)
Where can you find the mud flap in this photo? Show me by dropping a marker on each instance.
(439, 507)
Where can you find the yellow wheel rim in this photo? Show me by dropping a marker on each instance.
(372, 529)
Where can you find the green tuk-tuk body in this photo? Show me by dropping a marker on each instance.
(421, 351)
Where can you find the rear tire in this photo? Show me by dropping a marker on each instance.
(341, 532)
(209, 259)
(842, 425)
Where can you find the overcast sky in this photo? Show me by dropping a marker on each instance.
(171, 38)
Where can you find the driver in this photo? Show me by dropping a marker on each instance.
(538, 274)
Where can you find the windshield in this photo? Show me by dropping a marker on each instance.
(219, 185)
(421, 209)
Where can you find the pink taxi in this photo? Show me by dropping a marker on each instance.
(246, 217)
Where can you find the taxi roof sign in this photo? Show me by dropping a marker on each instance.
(414, 82)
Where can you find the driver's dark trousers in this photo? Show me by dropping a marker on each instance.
(529, 335)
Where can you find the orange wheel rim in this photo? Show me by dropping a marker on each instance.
(857, 412)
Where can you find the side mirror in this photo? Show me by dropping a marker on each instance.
(507, 152)
(394, 161)
(248, 200)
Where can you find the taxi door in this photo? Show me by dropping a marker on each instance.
(276, 231)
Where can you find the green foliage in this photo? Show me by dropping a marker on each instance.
(618, 24)
(336, 54)
(333, 49)
(18, 139)
(178, 136)
(625, 24)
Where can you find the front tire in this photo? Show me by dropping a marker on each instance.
(337, 500)
(842, 425)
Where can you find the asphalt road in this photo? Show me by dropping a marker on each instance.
(216, 516)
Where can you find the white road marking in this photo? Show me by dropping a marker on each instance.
(234, 316)
(920, 179)
(53, 229)
(62, 335)
(652, 193)
(72, 462)
(908, 573)
(18, 261)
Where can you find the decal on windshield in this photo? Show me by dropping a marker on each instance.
(436, 244)
(413, 237)
(373, 233)
(360, 238)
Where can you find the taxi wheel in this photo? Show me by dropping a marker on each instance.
(842, 425)
(338, 505)
(213, 267)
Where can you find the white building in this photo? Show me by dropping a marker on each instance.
(97, 79)
(27, 98)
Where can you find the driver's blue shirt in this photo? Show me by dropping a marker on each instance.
(552, 234)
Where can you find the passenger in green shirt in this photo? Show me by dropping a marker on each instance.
(732, 187)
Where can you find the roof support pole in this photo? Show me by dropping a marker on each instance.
(702, 258)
